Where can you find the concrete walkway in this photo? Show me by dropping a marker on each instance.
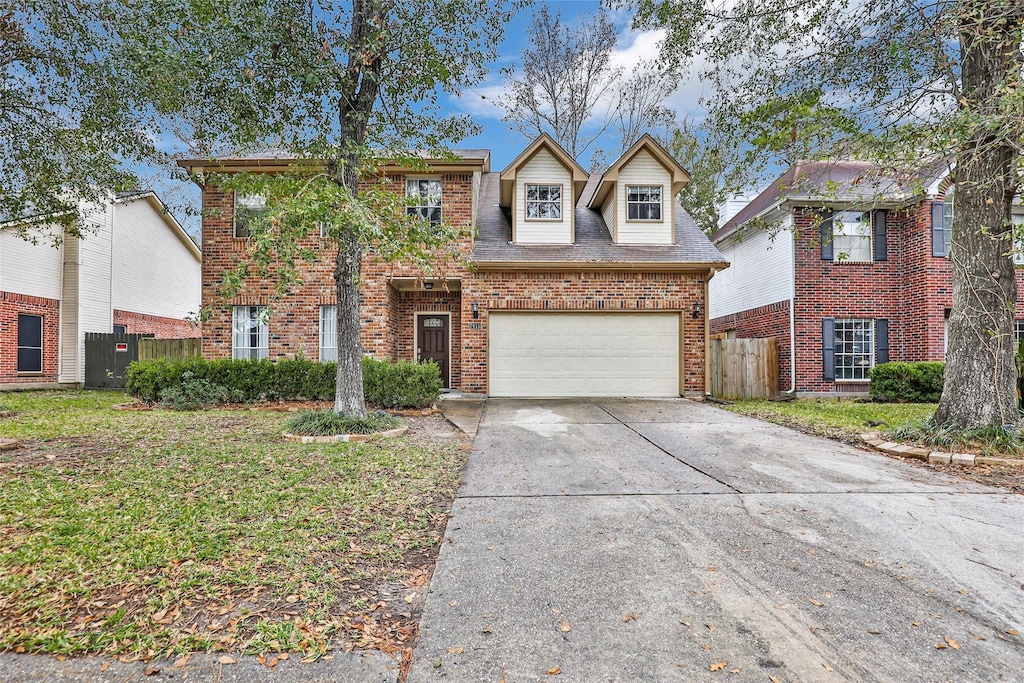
(672, 541)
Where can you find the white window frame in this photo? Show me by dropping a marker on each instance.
(852, 237)
(328, 333)
(859, 371)
(552, 205)
(244, 333)
(425, 204)
(649, 203)
(250, 205)
(1018, 330)
(1017, 226)
(40, 348)
(947, 218)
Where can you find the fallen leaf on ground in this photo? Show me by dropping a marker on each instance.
(828, 668)
(565, 626)
(272, 663)
(224, 659)
(953, 644)
(180, 662)
(554, 671)
(104, 666)
(629, 617)
(1012, 632)
(456, 650)
(773, 679)
(817, 603)
(151, 671)
(978, 637)
(874, 631)
(718, 666)
(710, 627)
(283, 655)
(916, 623)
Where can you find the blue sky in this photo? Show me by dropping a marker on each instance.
(504, 143)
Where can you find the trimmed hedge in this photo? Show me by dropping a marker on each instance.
(907, 382)
(398, 384)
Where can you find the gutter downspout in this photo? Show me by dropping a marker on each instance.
(792, 308)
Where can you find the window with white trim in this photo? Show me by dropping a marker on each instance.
(643, 202)
(851, 236)
(251, 334)
(424, 195)
(30, 343)
(947, 218)
(1018, 330)
(854, 349)
(329, 333)
(544, 202)
(248, 207)
(1017, 220)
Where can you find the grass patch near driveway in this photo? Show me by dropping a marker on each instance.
(144, 533)
(840, 419)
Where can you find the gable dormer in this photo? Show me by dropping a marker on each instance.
(540, 188)
(636, 194)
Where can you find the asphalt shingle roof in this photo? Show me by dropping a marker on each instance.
(593, 239)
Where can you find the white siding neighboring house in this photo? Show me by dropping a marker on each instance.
(761, 271)
(134, 266)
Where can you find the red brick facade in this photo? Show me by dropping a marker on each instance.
(912, 289)
(163, 328)
(11, 305)
(389, 306)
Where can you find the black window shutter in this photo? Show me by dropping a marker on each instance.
(881, 244)
(826, 237)
(881, 341)
(828, 349)
(938, 229)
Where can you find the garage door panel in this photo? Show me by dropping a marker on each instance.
(583, 354)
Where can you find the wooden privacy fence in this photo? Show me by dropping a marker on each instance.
(171, 349)
(744, 368)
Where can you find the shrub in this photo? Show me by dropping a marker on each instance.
(907, 382)
(329, 423)
(194, 392)
(401, 384)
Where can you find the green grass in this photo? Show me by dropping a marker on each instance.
(835, 418)
(149, 532)
(329, 423)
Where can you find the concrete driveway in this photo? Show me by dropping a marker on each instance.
(622, 540)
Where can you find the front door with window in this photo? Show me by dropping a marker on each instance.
(432, 341)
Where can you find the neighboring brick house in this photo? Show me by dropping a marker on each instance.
(850, 272)
(134, 270)
(579, 285)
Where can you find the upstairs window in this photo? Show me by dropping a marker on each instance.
(1017, 220)
(643, 202)
(248, 207)
(251, 335)
(942, 225)
(424, 197)
(544, 202)
(851, 236)
(30, 343)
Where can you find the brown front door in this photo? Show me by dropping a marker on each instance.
(432, 341)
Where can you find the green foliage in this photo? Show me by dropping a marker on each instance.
(190, 383)
(988, 439)
(330, 423)
(194, 393)
(907, 382)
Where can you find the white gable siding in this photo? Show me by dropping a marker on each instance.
(644, 169)
(543, 169)
(95, 313)
(761, 272)
(31, 269)
(608, 213)
(153, 271)
(68, 368)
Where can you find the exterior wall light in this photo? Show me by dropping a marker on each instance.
(476, 309)
(696, 309)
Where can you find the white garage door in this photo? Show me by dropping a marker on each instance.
(583, 354)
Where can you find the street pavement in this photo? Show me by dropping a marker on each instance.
(628, 540)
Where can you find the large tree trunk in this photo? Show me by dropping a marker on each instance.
(980, 383)
(348, 395)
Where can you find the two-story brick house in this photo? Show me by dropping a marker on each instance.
(845, 266)
(574, 285)
(134, 270)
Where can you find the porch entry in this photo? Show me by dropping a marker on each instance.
(433, 332)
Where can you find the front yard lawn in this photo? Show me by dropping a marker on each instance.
(145, 533)
(839, 419)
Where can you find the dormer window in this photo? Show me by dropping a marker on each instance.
(643, 202)
(544, 202)
(424, 198)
